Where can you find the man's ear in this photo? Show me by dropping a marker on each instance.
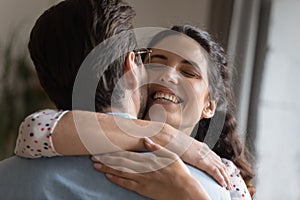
(209, 109)
(130, 71)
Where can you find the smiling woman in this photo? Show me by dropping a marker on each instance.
(189, 83)
(179, 83)
(228, 144)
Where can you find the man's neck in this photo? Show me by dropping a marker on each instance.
(130, 104)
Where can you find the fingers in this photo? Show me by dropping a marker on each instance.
(150, 145)
(226, 177)
(212, 164)
(143, 162)
(215, 172)
(218, 171)
(124, 179)
(121, 158)
(123, 163)
(159, 150)
(138, 162)
(123, 182)
(113, 171)
(121, 154)
(223, 175)
(202, 157)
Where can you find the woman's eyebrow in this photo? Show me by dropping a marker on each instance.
(190, 62)
(159, 56)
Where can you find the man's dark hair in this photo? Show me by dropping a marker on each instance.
(66, 33)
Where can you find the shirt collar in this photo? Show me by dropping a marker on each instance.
(124, 115)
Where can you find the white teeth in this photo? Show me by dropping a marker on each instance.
(164, 96)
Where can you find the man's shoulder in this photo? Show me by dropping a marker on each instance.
(215, 190)
(16, 162)
(71, 177)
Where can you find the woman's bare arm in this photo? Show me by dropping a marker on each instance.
(127, 134)
(86, 133)
(159, 176)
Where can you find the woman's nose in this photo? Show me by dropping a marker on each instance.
(169, 74)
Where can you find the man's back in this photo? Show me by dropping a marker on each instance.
(57, 178)
(72, 178)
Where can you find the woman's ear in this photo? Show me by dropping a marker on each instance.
(209, 109)
(130, 71)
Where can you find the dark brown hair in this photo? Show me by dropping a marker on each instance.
(228, 145)
(66, 33)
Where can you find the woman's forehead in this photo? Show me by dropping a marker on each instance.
(183, 46)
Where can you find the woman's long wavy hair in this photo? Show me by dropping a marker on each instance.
(228, 145)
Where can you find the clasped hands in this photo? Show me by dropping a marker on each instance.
(157, 173)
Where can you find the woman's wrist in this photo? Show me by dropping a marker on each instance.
(165, 135)
(176, 141)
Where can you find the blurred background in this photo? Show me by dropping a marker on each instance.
(262, 40)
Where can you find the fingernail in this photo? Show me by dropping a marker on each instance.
(148, 140)
(98, 165)
(95, 158)
(109, 175)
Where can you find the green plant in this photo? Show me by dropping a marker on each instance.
(20, 92)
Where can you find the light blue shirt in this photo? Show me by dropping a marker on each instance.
(72, 178)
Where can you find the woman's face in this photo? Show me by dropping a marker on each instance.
(178, 82)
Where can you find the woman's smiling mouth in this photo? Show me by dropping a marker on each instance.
(166, 97)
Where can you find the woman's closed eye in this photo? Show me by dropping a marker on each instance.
(190, 72)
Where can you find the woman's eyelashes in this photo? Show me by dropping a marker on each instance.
(186, 72)
(186, 68)
(190, 74)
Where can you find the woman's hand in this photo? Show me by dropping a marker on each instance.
(159, 176)
(194, 153)
(201, 156)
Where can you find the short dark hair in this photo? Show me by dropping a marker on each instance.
(66, 33)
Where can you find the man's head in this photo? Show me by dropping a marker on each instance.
(66, 33)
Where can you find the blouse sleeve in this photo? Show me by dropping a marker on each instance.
(35, 134)
(239, 189)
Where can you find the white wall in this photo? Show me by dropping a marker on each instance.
(23, 13)
(278, 143)
(165, 13)
(20, 15)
